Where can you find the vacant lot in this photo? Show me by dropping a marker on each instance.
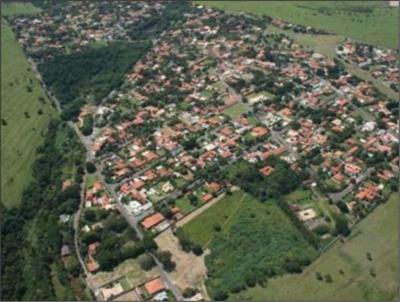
(245, 237)
(369, 21)
(236, 110)
(203, 228)
(25, 112)
(377, 235)
(130, 268)
(190, 269)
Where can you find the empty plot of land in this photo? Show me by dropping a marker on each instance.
(216, 214)
(190, 269)
(198, 211)
(132, 271)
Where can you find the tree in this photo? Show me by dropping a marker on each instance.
(319, 277)
(90, 167)
(220, 295)
(165, 258)
(189, 292)
(73, 266)
(147, 262)
(217, 227)
(197, 249)
(149, 243)
(341, 225)
(328, 278)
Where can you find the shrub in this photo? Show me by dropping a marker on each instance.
(147, 262)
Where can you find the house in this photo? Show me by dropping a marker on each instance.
(154, 286)
(338, 178)
(368, 193)
(207, 197)
(65, 251)
(352, 169)
(152, 220)
(266, 171)
(214, 186)
(66, 184)
(92, 266)
(259, 132)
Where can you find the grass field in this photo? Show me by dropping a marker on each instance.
(378, 235)
(24, 114)
(201, 229)
(19, 8)
(254, 236)
(235, 110)
(369, 21)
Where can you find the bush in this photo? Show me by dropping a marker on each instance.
(149, 243)
(147, 262)
(189, 292)
(165, 258)
(197, 249)
(321, 229)
(90, 167)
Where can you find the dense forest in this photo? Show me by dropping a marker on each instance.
(31, 234)
(91, 74)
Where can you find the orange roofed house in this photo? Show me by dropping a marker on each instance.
(152, 220)
(259, 132)
(266, 171)
(154, 286)
(368, 193)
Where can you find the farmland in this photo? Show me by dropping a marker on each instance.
(368, 21)
(245, 226)
(25, 112)
(375, 235)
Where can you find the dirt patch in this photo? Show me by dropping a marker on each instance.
(130, 269)
(130, 296)
(190, 269)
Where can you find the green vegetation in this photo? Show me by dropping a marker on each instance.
(19, 8)
(203, 229)
(282, 180)
(25, 112)
(254, 241)
(372, 246)
(91, 74)
(369, 21)
(184, 205)
(235, 110)
(62, 289)
(31, 234)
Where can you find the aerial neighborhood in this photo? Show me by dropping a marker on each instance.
(219, 110)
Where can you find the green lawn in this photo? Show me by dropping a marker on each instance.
(369, 21)
(184, 205)
(378, 235)
(235, 110)
(24, 116)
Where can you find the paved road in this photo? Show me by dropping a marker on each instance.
(130, 219)
(340, 195)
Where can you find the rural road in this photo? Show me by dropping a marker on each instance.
(131, 220)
